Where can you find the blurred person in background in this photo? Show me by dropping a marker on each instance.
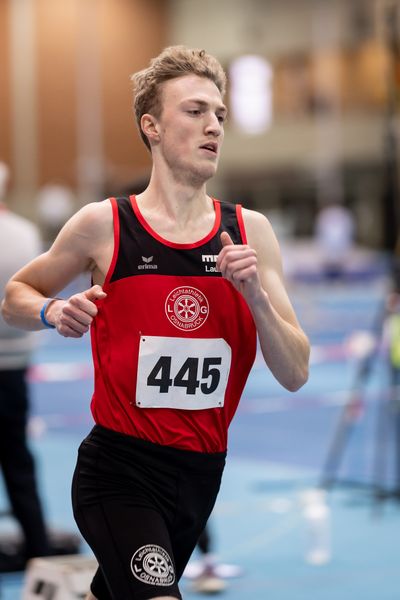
(334, 232)
(205, 580)
(208, 574)
(55, 205)
(19, 243)
(182, 285)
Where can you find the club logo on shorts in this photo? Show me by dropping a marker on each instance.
(152, 564)
(187, 308)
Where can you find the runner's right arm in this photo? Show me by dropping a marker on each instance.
(83, 244)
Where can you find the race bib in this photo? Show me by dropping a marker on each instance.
(184, 373)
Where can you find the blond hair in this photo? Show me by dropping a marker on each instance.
(174, 61)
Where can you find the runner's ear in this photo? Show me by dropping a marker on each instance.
(149, 126)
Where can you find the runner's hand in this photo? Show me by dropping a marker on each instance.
(238, 264)
(73, 317)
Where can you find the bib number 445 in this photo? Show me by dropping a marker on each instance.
(183, 373)
(188, 375)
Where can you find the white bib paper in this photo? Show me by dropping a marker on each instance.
(184, 373)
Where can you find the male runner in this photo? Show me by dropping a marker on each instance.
(182, 284)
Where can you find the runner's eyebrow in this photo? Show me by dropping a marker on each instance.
(221, 108)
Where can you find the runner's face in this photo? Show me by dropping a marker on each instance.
(191, 127)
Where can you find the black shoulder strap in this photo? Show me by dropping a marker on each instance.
(229, 222)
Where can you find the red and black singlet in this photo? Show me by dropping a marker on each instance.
(173, 342)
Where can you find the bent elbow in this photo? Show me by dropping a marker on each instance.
(4, 312)
(299, 379)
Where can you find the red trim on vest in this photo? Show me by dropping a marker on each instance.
(239, 216)
(154, 234)
(114, 206)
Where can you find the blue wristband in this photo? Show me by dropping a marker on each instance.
(43, 316)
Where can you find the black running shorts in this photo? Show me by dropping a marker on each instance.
(141, 508)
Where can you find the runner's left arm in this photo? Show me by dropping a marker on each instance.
(255, 269)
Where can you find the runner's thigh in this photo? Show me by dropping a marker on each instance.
(133, 548)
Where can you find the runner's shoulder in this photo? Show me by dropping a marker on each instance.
(257, 225)
(94, 220)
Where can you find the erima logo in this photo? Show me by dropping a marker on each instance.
(147, 263)
(209, 257)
